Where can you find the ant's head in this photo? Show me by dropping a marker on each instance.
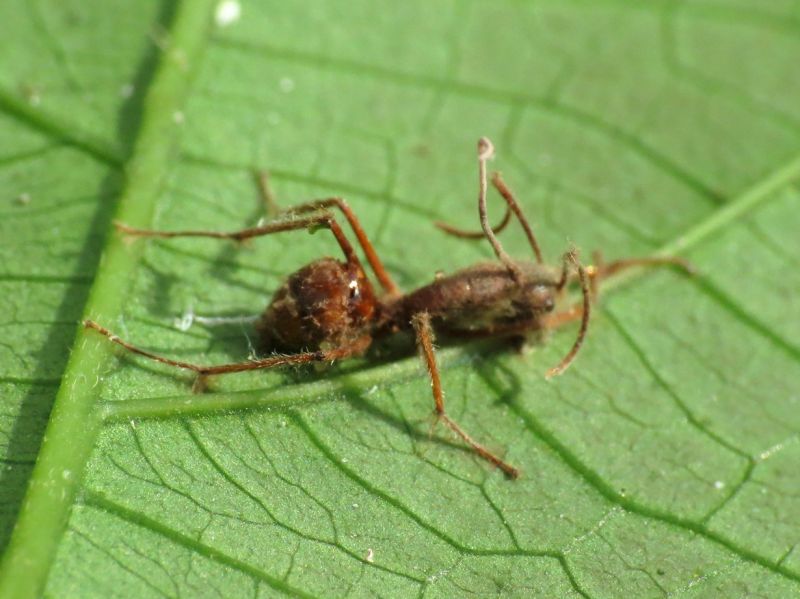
(541, 284)
(542, 298)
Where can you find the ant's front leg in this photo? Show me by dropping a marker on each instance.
(589, 279)
(602, 270)
(357, 348)
(424, 331)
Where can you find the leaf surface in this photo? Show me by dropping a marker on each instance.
(661, 464)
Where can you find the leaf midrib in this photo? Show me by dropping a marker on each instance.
(74, 422)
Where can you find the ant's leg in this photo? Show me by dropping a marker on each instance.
(424, 331)
(589, 278)
(508, 196)
(601, 270)
(323, 219)
(356, 348)
(456, 232)
(389, 286)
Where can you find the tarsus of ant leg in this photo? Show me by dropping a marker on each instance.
(240, 235)
(508, 196)
(456, 232)
(567, 360)
(424, 332)
(369, 251)
(271, 362)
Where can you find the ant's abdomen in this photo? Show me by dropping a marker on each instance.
(323, 305)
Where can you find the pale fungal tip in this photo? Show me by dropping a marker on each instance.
(485, 148)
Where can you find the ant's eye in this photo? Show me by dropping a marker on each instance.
(541, 298)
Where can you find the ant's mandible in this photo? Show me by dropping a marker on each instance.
(329, 310)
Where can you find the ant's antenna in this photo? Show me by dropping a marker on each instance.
(485, 152)
(508, 196)
(571, 256)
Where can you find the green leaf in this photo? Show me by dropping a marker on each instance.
(662, 463)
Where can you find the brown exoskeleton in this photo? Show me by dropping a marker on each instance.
(329, 310)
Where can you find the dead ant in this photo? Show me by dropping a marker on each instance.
(328, 310)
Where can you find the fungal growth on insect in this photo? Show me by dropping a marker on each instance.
(331, 310)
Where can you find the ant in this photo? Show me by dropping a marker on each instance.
(329, 310)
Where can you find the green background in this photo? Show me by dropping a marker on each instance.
(663, 463)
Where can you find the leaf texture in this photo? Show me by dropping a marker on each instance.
(663, 463)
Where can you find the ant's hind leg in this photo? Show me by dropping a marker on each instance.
(424, 332)
(358, 347)
(310, 222)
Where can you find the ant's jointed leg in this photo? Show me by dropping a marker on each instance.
(322, 219)
(456, 232)
(424, 332)
(389, 286)
(358, 347)
(589, 279)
